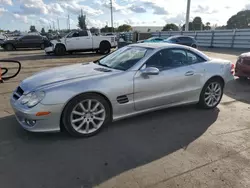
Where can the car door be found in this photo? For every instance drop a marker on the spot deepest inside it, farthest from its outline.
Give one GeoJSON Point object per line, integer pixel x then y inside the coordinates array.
{"type": "Point", "coordinates": [85, 41]}
{"type": "Point", "coordinates": [23, 42]}
{"type": "Point", "coordinates": [198, 65]}
{"type": "Point", "coordinates": [173, 85]}
{"type": "Point", "coordinates": [71, 40]}
{"type": "Point", "coordinates": [37, 41]}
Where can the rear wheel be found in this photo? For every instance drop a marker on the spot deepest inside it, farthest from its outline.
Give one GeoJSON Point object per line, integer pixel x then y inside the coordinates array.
{"type": "Point", "coordinates": [9, 47]}
{"type": "Point", "coordinates": [60, 50]}
{"type": "Point", "coordinates": [42, 46]}
{"type": "Point", "coordinates": [211, 94]}
{"type": "Point", "coordinates": [194, 46]}
{"type": "Point", "coordinates": [105, 47]}
{"type": "Point", "coordinates": [86, 115]}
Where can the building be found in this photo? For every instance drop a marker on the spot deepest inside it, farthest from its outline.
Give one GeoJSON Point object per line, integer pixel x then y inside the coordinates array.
{"type": "Point", "coordinates": [145, 29]}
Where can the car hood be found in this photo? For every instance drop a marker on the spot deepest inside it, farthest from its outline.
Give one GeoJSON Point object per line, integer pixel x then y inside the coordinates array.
{"type": "Point", "coordinates": [64, 74]}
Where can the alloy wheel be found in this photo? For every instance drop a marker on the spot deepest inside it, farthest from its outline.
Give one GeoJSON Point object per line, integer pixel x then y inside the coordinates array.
{"type": "Point", "coordinates": [213, 94]}
{"type": "Point", "coordinates": [88, 116]}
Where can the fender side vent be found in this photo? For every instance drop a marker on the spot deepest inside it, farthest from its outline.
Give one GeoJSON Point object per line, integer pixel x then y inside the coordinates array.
{"type": "Point", "coordinates": [122, 99]}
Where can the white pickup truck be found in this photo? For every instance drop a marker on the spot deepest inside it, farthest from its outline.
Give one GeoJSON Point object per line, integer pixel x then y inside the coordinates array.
{"type": "Point", "coordinates": [81, 41]}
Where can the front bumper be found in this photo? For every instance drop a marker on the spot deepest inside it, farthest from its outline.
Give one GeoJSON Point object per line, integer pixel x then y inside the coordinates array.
{"type": "Point", "coordinates": [242, 70]}
{"type": "Point", "coordinates": [48, 123]}
{"type": "Point", "coordinates": [49, 49]}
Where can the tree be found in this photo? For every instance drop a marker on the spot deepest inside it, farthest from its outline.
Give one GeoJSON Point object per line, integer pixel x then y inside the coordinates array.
{"type": "Point", "coordinates": [221, 27]}
{"type": "Point", "coordinates": [240, 20]}
{"type": "Point", "coordinates": [43, 31]}
{"type": "Point", "coordinates": [94, 30]}
{"type": "Point", "coordinates": [50, 31]}
{"type": "Point", "coordinates": [207, 27]}
{"type": "Point", "coordinates": [107, 29]}
{"type": "Point", "coordinates": [197, 23]}
{"type": "Point", "coordinates": [82, 21]}
{"type": "Point", "coordinates": [124, 28]}
{"type": "Point", "coordinates": [32, 28]}
{"type": "Point", "coordinates": [170, 27]}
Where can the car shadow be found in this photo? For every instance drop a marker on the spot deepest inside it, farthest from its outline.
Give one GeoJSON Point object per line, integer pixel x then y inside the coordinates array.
{"type": "Point", "coordinates": [42, 56]}
{"type": "Point", "coordinates": [228, 51]}
{"type": "Point", "coordinates": [58, 160]}
{"type": "Point", "coordinates": [238, 90]}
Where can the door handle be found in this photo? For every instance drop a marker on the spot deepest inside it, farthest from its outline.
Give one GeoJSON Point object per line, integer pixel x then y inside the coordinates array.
{"type": "Point", "coordinates": [189, 73]}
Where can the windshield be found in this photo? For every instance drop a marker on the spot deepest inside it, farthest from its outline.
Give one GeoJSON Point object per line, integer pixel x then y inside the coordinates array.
{"type": "Point", "coordinates": [124, 58]}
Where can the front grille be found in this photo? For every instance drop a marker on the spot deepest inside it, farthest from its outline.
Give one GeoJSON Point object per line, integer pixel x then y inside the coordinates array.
{"type": "Point", "coordinates": [122, 99]}
{"type": "Point", "coordinates": [18, 93]}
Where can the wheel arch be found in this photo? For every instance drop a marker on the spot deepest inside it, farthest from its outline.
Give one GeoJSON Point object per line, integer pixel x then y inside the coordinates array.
{"type": "Point", "coordinates": [218, 78]}
{"type": "Point", "coordinates": [61, 44]}
{"type": "Point", "coordinates": [88, 92]}
{"type": "Point", "coordinates": [3, 45]}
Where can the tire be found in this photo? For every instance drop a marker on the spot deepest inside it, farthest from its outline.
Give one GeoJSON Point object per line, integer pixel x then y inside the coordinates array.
{"type": "Point", "coordinates": [9, 47]}
{"type": "Point", "coordinates": [42, 46]}
{"type": "Point", "coordinates": [60, 50]}
{"type": "Point", "coordinates": [242, 78]}
{"type": "Point", "coordinates": [105, 47]}
{"type": "Point", "coordinates": [79, 128]}
{"type": "Point", "coordinates": [193, 46]}
{"type": "Point", "coordinates": [204, 96]}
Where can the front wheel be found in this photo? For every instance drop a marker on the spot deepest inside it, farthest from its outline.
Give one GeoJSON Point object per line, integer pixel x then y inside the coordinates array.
{"type": "Point", "coordinates": [105, 47]}
{"type": "Point", "coordinates": [60, 50]}
{"type": "Point", "coordinates": [86, 115]}
{"type": "Point", "coordinates": [211, 94]}
{"type": "Point", "coordinates": [242, 78]}
{"type": "Point", "coordinates": [9, 47]}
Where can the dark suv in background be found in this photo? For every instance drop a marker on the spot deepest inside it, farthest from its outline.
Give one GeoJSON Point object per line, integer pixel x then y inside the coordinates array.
{"type": "Point", "coordinates": [183, 40]}
{"type": "Point", "coordinates": [27, 41]}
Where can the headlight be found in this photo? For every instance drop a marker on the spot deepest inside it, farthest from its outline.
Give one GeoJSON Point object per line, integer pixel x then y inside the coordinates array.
{"type": "Point", "coordinates": [32, 99]}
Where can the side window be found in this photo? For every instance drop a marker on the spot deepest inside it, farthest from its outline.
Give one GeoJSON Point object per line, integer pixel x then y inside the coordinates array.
{"type": "Point", "coordinates": [168, 59]}
{"type": "Point", "coordinates": [74, 34]}
{"type": "Point", "coordinates": [155, 61]}
{"type": "Point", "coordinates": [34, 38]}
{"type": "Point", "coordinates": [83, 33]}
{"type": "Point", "coordinates": [177, 58]}
{"type": "Point", "coordinates": [193, 58]}
{"type": "Point", "coordinates": [26, 38]}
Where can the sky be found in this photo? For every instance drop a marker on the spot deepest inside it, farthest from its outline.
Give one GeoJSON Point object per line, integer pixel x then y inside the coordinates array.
{"type": "Point", "coordinates": [20, 14]}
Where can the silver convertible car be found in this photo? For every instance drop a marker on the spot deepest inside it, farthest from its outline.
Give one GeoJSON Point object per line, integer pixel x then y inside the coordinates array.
{"type": "Point", "coordinates": [138, 78]}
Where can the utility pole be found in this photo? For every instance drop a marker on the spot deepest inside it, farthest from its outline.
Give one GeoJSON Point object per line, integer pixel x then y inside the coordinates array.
{"type": "Point", "coordinates": [69, 22]}
{"type": "Point", "coordinates": [54, 26]}
{"type": "Point", "coordinates": [111, 9]}
{"type": "Point", "coordinates": [187, 15]}
{"type": "Point", "coordinates": [58, 24]}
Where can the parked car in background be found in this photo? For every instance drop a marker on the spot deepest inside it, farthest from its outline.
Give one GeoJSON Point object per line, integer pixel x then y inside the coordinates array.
{"type": "Point", "coordinates": [3, 37]}
{"type": "Point", "coordinates": [242, 67]}
{"type": "Point", "coordinates": [183, 40]}
{"type": "Point", "coordinates": [135, 79]}
{"type": "Point", "coordinates": [27, 41]}
{"type": "Point", "coordinates": [80, 41]}
{"type": "Point", "coordinates": [152, 39]}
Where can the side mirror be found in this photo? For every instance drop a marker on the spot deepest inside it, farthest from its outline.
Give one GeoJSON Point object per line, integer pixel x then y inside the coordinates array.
{"type": "Point", "coordinates": [150, 71]}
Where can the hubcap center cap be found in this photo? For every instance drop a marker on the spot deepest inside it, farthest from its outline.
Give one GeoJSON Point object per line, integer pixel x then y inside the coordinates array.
{"type": "Point", "coordinates": [88, 115]}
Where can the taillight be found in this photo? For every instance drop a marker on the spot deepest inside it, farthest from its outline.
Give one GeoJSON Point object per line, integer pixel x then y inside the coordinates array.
{"type": "Point", "coordinates": [232, 68]}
